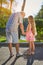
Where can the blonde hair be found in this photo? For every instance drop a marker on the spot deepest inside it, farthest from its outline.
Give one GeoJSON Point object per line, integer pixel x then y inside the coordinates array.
{"type": "Point", "coordinates": [33, 25]}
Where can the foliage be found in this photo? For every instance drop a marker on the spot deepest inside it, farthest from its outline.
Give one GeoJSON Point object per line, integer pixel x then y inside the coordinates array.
{"type": "Point", "coordinates": [40, 14]}
{"type": "Point", "coordinates": [4, 15]}
{"type": "Point", "coordinates": [39, 24]}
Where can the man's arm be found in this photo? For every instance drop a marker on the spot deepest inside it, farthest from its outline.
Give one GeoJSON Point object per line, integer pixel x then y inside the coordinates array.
{"type": "Point", "coordinates": [22, 28]}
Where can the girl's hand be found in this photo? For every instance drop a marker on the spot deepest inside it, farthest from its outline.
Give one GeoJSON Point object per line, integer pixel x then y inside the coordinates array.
{"type": "Point", "coordinates": [24, 33]}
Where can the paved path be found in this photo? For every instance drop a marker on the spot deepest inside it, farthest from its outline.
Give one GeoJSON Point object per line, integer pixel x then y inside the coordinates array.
{"type": "Point", "coordinates": [36, 59]}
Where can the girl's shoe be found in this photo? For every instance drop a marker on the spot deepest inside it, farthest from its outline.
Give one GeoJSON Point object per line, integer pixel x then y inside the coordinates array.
{"type": "Point", "coordinates": [32, 52]}
{"type": "Point", "coordinates": [27, 52]}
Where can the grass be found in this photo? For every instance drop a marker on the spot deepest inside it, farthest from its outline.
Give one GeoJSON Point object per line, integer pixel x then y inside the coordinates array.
{"type": "Point", "coordinates": [3, 39]}
{"type": "Point", "coordinates": [22, 41]}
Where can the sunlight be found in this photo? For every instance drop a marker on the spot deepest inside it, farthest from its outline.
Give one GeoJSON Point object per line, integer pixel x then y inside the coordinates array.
{"type": "Point", "coordinates": [31, 7]}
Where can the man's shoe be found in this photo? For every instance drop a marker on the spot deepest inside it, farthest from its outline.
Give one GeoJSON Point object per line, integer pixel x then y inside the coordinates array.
{"type": "Point", "coordinates": [19, 54]}
{"type": "Point", "coordinates": [11, 55]}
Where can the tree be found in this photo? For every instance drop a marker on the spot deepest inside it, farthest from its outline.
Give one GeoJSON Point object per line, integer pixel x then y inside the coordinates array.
{"type": "Point", "coordinates": [11, 1]}
{"type": "Point", "coordinates": [39, 24]}
{"type": "Point", "coordinates": [3, 2]}
{"type": "Point", "coordinates": [40, 13]}
{"type": "Point", "coordinates": [23, 6]}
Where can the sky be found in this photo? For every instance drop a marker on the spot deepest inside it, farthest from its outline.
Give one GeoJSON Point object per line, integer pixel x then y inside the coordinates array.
{"type": "Point", "coordinates": [32, 7]}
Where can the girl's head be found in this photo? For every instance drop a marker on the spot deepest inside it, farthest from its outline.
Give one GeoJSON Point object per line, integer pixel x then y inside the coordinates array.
{"type": "Point", "coordinates": [30, 19]}
{"type": "Point", "coordinates": [32, 22]}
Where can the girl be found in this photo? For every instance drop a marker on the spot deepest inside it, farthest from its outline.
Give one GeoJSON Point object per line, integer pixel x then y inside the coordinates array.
{"type": "Point", "coordinates": [30, 34]}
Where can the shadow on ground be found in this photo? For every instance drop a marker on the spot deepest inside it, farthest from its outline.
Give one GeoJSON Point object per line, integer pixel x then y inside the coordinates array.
{"type": "Point", "coordinates": [37, 56]}
{"type": "Point", "coordinates": [30, 59]}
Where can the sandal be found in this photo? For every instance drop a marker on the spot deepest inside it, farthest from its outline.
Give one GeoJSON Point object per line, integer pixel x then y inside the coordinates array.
{"type": "Point", "coordinates": [32, 52]}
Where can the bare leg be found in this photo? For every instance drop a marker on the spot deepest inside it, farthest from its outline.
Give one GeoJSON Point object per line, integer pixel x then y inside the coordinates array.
{"type": "Point", "coordinates": [10, 48]}
{"type": "Point", "coordinates": [30, 47]}
{"type": "Point", "coordinates": [17, 48]}
{"type": "Point", "coordinates": [33, 47]}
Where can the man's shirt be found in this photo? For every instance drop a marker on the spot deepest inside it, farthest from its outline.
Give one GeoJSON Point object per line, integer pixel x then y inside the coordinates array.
{"type": "Point", "coordinates": [13, 22]}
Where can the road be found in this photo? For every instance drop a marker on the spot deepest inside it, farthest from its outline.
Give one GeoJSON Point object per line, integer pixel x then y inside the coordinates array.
{"type": "Point", "coordinates": [36, 59]}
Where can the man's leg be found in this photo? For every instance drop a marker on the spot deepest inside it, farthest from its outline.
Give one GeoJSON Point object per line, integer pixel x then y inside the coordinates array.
{"type": "Point", "coordinates": [9, 41]}
{"type": "Point", "coordinates": [17, 47]}
{"type": "Point", "coordinates": [17, 51]}
{"type": "Point", "coordinates": [10, 49]}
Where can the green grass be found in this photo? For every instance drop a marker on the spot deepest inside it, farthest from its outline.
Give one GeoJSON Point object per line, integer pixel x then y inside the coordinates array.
{"type": "Point", "coordinates": [20, 41]}
{"type": "Point", "coordinates": [3, 39]}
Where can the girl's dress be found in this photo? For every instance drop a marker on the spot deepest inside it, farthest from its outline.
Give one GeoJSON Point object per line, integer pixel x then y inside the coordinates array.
{"type": "Point", "coordinates": [30, 36]}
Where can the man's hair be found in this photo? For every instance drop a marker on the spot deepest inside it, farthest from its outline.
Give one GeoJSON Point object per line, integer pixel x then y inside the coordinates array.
{"type": "Point", "coordinates": [23, 13]}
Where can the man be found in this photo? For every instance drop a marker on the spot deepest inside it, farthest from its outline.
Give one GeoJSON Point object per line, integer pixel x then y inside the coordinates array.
{"type": "Point", "coordinates": [14, 21]}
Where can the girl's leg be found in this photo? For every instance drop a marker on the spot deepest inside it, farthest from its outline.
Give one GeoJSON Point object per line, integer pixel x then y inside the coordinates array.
{"type": "Point", "coordinates": [30, 48]}
{"type": "Point", "coordinates": [33, 47]}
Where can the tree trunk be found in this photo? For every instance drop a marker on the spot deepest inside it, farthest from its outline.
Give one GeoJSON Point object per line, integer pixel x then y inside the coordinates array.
{"type": "Point", "coordinates": [1, 7]}
{"type": "Point", "coordinates": [23, 6]}
{"type": "Point", "coordinates": [10, 5]}
{"type": "Point", "coordinates": [1, 3]}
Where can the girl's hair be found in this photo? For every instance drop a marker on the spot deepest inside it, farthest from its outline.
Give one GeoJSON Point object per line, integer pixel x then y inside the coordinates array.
{"type": "Point", "coordinates": [33, 25]}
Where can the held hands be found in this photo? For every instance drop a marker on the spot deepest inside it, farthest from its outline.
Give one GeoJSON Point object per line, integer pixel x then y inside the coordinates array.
{"type": "Point", "coordinates": [24, 33]}
{"type": "Point", "coordinates": [22, 29]}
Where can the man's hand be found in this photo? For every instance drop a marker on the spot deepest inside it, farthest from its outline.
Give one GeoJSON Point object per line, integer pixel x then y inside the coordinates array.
{"type": "Point", "coordinates": [22, 29]}
{"type": "Point", "coordinates": [24, 33]}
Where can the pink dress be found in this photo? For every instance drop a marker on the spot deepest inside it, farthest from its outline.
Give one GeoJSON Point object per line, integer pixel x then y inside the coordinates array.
{"type": "Point", "coordinates": [30, 36]}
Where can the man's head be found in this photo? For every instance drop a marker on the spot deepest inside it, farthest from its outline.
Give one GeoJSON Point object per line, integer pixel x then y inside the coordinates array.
{"type": "Point", "coordinates": [22, 14]}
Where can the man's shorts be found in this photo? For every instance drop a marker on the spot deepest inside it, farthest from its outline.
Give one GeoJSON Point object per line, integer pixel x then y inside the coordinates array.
{"type": "Point", "coordinates": [12, 37]}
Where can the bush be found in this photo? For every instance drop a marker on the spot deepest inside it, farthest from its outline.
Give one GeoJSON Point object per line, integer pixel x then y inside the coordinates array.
{"type": "Point", "coordinates": [39, 25]}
